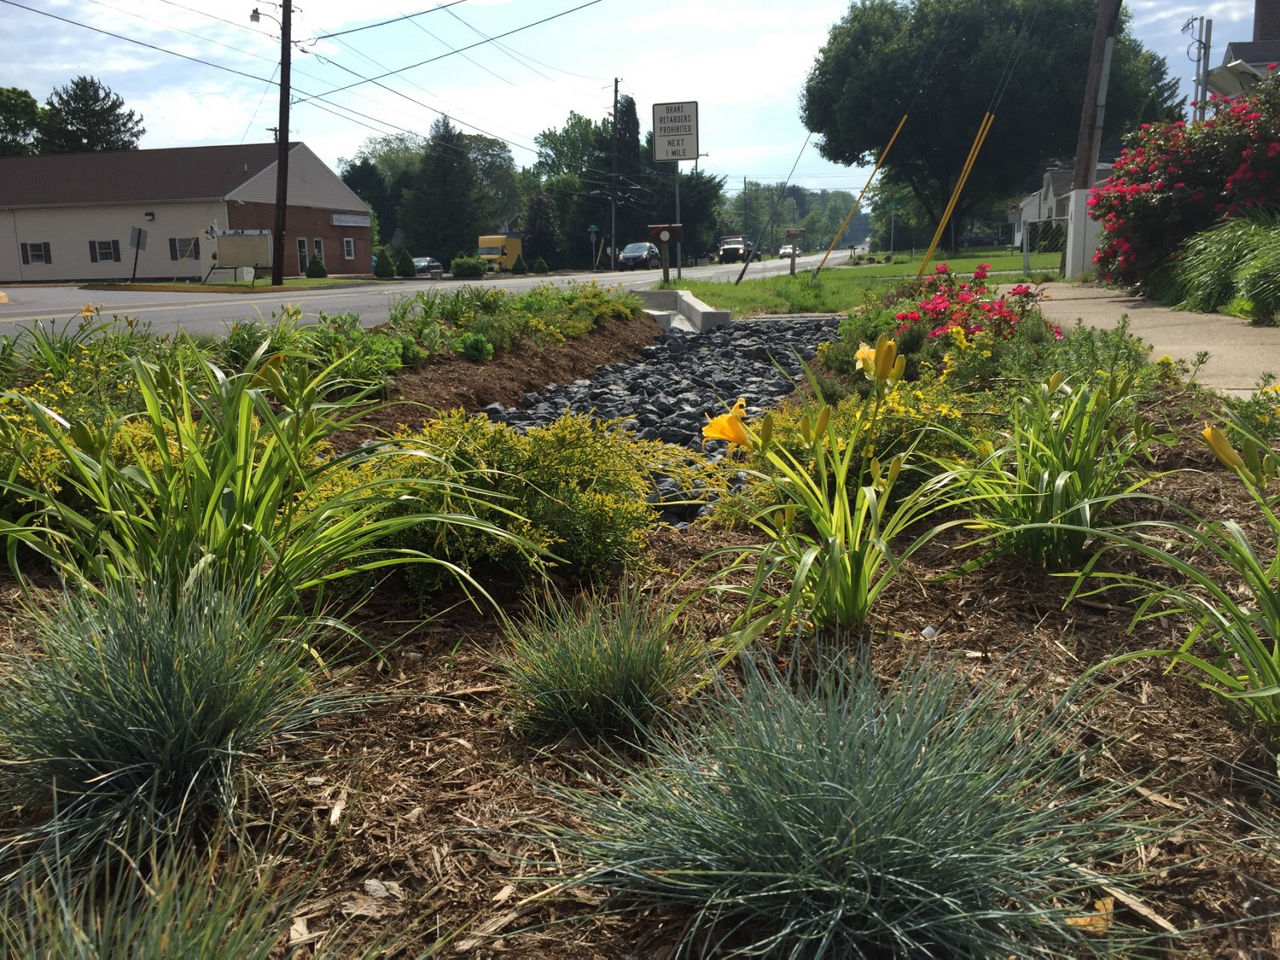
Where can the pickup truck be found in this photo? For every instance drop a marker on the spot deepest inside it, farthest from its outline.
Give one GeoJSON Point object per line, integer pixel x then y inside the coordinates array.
{"type": "Point", "coordinates": [734, 249]}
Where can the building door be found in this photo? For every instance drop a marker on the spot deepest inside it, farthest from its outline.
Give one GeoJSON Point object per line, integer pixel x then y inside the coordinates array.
{"type": "Point", "coordinates": [302, 255]}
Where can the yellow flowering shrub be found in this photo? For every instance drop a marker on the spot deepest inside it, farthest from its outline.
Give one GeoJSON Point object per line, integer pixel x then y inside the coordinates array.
{"type": "Point", "coordinates": [577, 487]}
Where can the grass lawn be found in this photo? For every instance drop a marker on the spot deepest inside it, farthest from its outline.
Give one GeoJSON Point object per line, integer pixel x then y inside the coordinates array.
{"type": "Point", "coordinates": [839, 286]}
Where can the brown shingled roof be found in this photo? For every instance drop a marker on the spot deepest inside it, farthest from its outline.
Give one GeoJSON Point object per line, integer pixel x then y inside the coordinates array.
{"type": "Point", "coordinates": [131, 176]}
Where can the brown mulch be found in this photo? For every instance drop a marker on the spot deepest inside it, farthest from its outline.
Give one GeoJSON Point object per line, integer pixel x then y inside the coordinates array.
{"type": "Point", "coordinates": [433, 802]}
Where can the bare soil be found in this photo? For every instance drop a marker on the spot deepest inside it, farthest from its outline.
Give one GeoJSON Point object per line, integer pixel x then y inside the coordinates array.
{"type": "Point", "coordinates": [430, 797]}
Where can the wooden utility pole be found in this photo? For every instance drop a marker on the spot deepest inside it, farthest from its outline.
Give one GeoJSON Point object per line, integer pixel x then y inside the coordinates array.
{"type": "Point", "coordinates": [1089, 140]}
{"type": "Point", "coordinates": [282, 151]}
{"type": "Point", "coordinates": [613, 186]}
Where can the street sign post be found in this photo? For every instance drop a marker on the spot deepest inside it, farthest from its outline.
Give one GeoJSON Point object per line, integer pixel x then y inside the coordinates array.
{"type": "Point", "coordinates": [675, 138]}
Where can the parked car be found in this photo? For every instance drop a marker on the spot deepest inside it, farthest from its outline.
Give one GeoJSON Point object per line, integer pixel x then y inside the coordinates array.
{"type": "Point", "coordinates": [426, 264]}
{"type": "Point", "coordinates": [787, 250]}
{"type": "Point", "coordinates": [638, 255]}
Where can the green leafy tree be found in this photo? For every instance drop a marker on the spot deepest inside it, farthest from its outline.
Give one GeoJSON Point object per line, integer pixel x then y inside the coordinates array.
{"type": "Point", "coordinates": [1023, 59]}
{"type": "Point", "coordinates": [85, 116]}
{"type": "Point", "coordinates": [19, 120]}
{"type": "Point", "coordinates": [395, 158]}
{"type": "Point", "coordinates": [497, 191]}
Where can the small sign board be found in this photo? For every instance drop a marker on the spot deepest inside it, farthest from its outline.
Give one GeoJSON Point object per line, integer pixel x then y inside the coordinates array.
{"type": "Point", "coordinates": [675, 131]}
{"type": "Point", "coordinates": [137, 238]}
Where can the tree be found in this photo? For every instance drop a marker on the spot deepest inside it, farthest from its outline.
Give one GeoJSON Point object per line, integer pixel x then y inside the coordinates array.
{"type": "Point", "coordinates": [395, 158]}
{"type": "Point", "coordinates": [953, 60]}
{"type": "Point", "coordinates": [19, 119]}
{"type": "Point", "coordinates": [542, 236]}
{"type": "Point", "coordinates": [439, 214]}
{"type": "Point", "coordinates": [365, 180]}
{"type": "Point", "coordinates": [86, 117]}
{"type": "Point", "coordinates": [497, 192]}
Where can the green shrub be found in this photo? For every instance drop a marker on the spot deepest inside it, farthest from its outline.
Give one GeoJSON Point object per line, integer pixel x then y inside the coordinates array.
{"type": "Point", "coordinates": [540, 266]}
{"type": "Point", "coordinates": [142, 701]}
{"type": "Point", "coordinates": [599, 666]}
{"type": "Point", "coordinates": [932, 818]}
{"type": "Point", "coordinates": [316, 268]}
{"type": "Point", "coordinates": [520, 268]}
{"type": "Point", "coordinates": [475, 347]}
{"type": "Point", "coordinates": [468, 266]}
{"type": "Point", "coordinates": [404, 265]}
{"type": "Point", "coordinates": [383, 268]}
{"type": "Point", "coordinates": [577, 488]}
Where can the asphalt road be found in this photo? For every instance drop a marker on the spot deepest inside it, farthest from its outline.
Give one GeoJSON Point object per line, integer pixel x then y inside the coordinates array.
{"type": "Point", "coordinates": [202, 312]}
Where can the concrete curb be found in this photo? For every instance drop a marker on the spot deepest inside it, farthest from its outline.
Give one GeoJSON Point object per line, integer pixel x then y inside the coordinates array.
{"type": "Point", "coordinates": [679, 309]}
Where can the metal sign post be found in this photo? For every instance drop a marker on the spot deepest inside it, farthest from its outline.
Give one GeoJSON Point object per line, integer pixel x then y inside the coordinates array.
{"type": "Point", "coordinates": [675, 138]}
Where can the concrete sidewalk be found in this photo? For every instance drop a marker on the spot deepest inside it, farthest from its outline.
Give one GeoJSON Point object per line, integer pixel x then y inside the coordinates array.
{"type": "Point", "coordinates": [1239, 354]}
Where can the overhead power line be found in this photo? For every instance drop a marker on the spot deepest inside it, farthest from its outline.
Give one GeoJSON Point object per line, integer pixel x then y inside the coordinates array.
{"type": "Point", "coordinates": [383, 23]}
{"type": "Point", "coordinates": [423, 63]}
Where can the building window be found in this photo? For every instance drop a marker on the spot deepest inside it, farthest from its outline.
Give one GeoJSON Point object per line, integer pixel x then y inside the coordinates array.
{"type": "Point", "coordinates": [104, 251]}
{"type": "Point", "coordinates": [184, 248]}
{"type": "Point", "coordinates": [302, 254]}
{"type": "Point", "coordinates": [348, 248]}
{"type": "Point", "coordinates": [36, 253]}
{"type": "Point", "coordinates": [318, 249]}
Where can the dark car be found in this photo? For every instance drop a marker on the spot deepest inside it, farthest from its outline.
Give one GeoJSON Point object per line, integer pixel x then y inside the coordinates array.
{"type": "Point", "coordinates": [426, 264]}
{"type": "Point", "coordinates": [635, 256]}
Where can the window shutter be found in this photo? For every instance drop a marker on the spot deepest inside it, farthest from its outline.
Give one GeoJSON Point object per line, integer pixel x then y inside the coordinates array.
{"type": "Point", "coordinates": [48, 254]}
{"type": "Point", "coordinates": [115, 250]}
{"type": "Point", "coordinates": [26, 257]}
{"type": "Point", "coordinates": [93, 251]}
{"type": "Point", "coordinates": [195, 248]}
{"type": "Point", "coordinates": [173, 248]}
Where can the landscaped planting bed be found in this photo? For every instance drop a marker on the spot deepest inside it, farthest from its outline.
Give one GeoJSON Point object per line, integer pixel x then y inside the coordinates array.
{"type": "Point", "coordinates": [973, 655]}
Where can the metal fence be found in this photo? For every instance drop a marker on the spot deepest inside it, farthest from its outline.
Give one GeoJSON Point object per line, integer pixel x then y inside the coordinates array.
{"type": "Point", "coordinates": [1043, 236]}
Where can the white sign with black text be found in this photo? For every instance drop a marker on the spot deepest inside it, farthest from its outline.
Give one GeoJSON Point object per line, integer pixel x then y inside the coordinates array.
{"type": "Point", "coordinates": [675, 131]}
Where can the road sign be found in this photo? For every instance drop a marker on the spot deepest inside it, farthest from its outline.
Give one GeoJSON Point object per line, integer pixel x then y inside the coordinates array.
{"type": "Point", "coordinates": [675, 131]}
{"type": "Point", "coordinates": [137, 238]}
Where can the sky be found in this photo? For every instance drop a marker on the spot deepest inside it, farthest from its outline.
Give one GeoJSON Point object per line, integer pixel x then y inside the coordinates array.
{"type": "Point", "coordinates": [506, 68]}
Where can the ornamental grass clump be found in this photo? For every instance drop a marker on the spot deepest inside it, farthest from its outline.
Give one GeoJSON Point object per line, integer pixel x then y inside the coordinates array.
{"type": "Point", "coordinates": [934, 817]}
{"type": "Point", "coordinates": [596, 665]}
{"type": "Point", "coordinates": [233, 472]}
{"type": "Point", "coordinates": [1068, 459]}
{"type": "Point", "coordinates": [133, 716]}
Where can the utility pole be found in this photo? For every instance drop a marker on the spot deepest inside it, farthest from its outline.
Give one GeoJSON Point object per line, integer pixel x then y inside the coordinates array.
{"type": "Point", "coordinates": [613, 186]}
{"type": "Point", "coordinates": [1089, 140]}
{"type": "Point", "coordinates": [282, 151]}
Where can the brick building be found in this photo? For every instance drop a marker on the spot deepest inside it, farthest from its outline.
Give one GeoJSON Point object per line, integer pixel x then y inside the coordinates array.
{"type": "Point", "coordinates": [79, 216]}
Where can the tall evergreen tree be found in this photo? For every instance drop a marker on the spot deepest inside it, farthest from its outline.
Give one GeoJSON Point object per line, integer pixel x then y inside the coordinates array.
{"type": "Point", "coordinates": [85, 116]}
{"type": "Point", "coordinates": [542, 235]}
{"type": "Point", "coordinates": [439, 214]}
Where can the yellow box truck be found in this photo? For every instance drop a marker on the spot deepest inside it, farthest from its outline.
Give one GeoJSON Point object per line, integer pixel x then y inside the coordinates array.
{"type": "Point", "coordinates": [500, 250]}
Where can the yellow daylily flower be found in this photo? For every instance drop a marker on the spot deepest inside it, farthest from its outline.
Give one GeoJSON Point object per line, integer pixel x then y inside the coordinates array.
{"type": "Point", "coordinates": [866, 357]}
{"type": "Point", "coordinates": [1222, 448]}
{"type": "Point", "coordinates": [886, 355]}
{"type": "Point", "coordinates": [728, 426]}
{"type": "Point", "coordinates": [87, 311]}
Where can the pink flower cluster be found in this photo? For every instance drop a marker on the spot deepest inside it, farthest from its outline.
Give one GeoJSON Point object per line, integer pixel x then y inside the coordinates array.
{"type": "Point", "coordinates": [1174, 180]}
{"type": "Point", "coordinates": [949, 302]}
